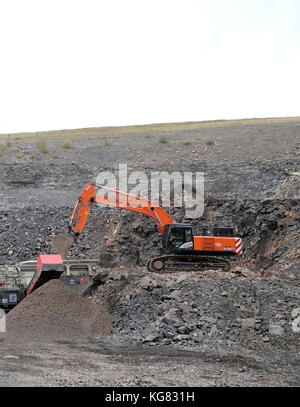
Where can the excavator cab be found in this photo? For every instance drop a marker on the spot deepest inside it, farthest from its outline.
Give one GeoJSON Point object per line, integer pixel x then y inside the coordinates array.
{"type": "Point", "coordinates": [178, 236]}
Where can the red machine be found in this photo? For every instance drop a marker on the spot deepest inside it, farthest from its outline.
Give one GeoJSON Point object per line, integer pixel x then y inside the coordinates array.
{"type": "Point", "coordinates": [14, 284]}
{"type": "Point", "coordinates": [48, 267]}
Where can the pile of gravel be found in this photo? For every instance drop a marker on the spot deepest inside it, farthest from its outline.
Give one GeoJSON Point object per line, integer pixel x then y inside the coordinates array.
{"type": "Point", "coordinates": [54, 311]}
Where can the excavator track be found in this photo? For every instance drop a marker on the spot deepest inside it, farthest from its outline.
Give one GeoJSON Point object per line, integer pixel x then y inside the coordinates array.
{"type": "Point", "coordinates": [171, 263]}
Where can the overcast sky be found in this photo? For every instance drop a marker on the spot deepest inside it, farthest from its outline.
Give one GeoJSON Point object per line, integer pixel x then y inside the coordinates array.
{"type": "Point", "coordinates": [89, 63]}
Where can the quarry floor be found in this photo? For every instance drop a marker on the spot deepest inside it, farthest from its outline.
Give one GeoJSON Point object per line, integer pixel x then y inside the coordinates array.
{"type": "Point", "coordinates": [250, 171]}
{"type": "Point", "coordinates": [99, 363]}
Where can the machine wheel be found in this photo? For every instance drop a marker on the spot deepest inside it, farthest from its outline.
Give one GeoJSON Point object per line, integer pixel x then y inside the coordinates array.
{"type": "Point", "coordinates": [156, 264]}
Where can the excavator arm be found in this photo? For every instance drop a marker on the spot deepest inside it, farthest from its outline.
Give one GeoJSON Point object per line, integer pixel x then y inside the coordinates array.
{"type": "Point", "coordinates": [205, 251]}
{"type": "Point", "coordinates": [115, 199]}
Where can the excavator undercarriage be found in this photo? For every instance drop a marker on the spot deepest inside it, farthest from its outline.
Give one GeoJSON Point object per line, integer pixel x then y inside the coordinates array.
{"type": "Point", "coordinates": [172, 262]}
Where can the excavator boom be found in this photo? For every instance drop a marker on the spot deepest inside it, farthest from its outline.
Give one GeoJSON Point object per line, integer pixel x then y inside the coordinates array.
{"type": "Point", "coordinates": [117, 199]}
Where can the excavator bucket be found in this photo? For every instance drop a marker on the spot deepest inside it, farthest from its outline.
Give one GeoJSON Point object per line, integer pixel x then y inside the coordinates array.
{"type": "Point", "coordinates": [61, 244]}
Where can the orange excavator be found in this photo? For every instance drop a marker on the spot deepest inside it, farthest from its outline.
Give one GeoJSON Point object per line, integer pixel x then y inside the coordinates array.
{"type": "Point", "coordinates": [181, 248]}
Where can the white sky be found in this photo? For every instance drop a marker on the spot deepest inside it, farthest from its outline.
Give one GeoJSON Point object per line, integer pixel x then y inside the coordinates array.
{"type": "Point", "coordinates": [89, 63]}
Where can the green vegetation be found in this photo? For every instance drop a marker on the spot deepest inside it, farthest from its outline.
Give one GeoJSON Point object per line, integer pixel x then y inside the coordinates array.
{"type": "Point", "coordinates": [106, 143]}
{"type": "Point", "coordinates": [55, 156]}
{"type": "Point", "coordinates": [19, 155]}
{"type": "Point", "coordinates": [186, 143]}
{"type": "Point", "coordinates": [66, 144]}
{"type": "Point", "coordinates": [2, 148]}
{"type": "Point", "coordinates": [260, 129]}
{"type": "Point", "coordinates": [210, 143]}
{"type": "Point", "coordinates": [143, 130]}
{"type": "Point", "coordinates": [160, 127]}
{"type": "Point", "coordinates": [163, 140]}
{"type": "Point", "coordinates": [42, 146]}
{"type": "Point", "coordinates": [8, 143]}
{"type": "Point", "coordinates": [148, 136]}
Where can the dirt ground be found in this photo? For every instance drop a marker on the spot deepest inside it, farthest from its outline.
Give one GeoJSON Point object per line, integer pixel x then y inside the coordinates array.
{"type": "Point", "coordinates": [101, 363]}
{"type": "Point", "coordinates": [180, 330]}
